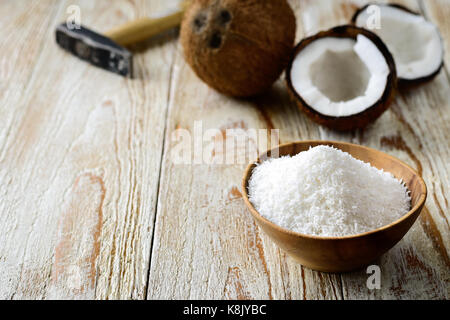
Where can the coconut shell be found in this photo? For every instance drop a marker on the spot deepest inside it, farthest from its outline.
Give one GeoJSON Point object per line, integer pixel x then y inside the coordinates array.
{"type": "Point", "coordinates": [359, 120]}
{"type": "Point", "coordinates": [238, 47]}
{"type": "Point", "coordinates": [402, 83]}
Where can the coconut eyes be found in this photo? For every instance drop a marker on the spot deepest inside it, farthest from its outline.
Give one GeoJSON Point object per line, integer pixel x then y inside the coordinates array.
{"type": "Point", "coordinates": [199, 22]}
{"type": "Point", "coordinates": [224, 17]}
{"type": "Point", "coordinates": [216, 40]}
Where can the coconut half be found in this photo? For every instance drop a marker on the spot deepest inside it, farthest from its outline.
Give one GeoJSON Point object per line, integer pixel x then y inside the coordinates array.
{"type": "Point", "coordinates": [414, 42]}
{"type": "Point", "coordinates": [343, 78]}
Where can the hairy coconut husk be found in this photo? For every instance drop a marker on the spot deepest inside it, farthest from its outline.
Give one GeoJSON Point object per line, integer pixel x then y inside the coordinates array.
{"type": "Point", "coordinates": [238, 47]}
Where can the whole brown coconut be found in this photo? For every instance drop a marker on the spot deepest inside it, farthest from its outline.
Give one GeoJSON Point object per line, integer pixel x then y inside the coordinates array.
{"type": "Point", "coordinates": [238, 47]}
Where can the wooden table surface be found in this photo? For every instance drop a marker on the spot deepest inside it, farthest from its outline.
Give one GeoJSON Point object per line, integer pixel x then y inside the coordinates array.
{"type": "Point", "coordinates": [92, 206]}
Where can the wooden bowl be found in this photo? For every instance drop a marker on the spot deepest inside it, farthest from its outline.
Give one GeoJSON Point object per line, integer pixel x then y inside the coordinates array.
{"type": "Point", "coordinates": [341, 254]}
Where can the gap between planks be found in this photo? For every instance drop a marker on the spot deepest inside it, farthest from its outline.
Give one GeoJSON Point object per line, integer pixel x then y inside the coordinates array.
{"type": "Point", "coordinates": [169, 94]}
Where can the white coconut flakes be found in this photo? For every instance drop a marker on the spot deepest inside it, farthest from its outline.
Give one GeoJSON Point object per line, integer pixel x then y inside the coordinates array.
{"type": "Point", "coordinates": [326, 192]}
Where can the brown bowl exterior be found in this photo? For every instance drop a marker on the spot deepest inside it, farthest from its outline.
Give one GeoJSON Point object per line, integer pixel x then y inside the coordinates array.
{"type": "Point", "coordinates": [341, 254]}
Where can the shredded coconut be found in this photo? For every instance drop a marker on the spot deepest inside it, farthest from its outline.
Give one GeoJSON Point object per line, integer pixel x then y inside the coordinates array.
{"type": "Point", "coordinates": [326, 192]}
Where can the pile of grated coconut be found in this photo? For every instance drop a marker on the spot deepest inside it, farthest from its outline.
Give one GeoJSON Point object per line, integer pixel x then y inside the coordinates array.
{"type": "Point", "coordinates": [326, 192]}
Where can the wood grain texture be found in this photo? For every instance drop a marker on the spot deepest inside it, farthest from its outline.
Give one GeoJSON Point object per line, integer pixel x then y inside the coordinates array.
{"type": "Point", "coordinates": [402, 133]}
{"type": "Point", "coordinates": [94, 206]}
{"type": "Point", "coordinates": [275, 111]}
{"type": "Point", "coordinates": [80, 166]}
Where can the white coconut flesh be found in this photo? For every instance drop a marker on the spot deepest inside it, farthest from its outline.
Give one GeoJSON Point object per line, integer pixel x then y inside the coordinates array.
{"type": "Point", "coordinates": [340, 76]}
{"type": "Point", "coordinates": [414, 42]}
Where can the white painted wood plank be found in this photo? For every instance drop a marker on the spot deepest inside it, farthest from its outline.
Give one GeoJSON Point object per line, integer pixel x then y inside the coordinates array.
{"type": "Point", "coordinates": [187, 260]}
{"type": "Point", "coordinates": [80, 170]}
{"type": "Point", "coordinates": [80, 154]}
{"type": "Point", "coordinates": [415, 130]}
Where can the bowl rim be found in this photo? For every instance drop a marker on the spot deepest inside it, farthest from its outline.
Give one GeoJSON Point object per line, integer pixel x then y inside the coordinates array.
{"type": "Point", "coordinates": [258, 216]}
